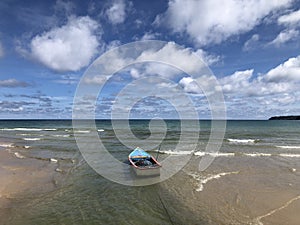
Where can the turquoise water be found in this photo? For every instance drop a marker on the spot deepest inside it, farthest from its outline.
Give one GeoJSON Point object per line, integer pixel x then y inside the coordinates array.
{"type": "Point", "coordinates": [85, 197]}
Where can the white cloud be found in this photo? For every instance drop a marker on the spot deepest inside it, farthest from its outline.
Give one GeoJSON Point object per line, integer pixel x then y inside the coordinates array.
{"type": "Point", "coordinates": [189, 85]}
{"type": "Point", "coordinates": [149, 36]}
{"type": "Point", "coordinates": [290, 19]}
{"type": "Point", "coordinates": [134, 73]}
{"type": "Point", "coordinates": [13, 83]}
{"type": "Point", "coordinates": [67, 48]}
{"type": "Point", "coordinates": [209, 21]}
{"type": "Point", "coordinates": [275, 92]}
{"type": "Point", "coordinates": [274, 89]}
{"type": "Point", "coordinates": [117, 13]}
{"type": "Point", "coordinates": [287, 71]}
{"type": "Point", "coordinates": [251, 43]}
{"type": "Point", "coordinates": [176, 57]}
{"type": "Point", "coordinates": [207, 58]}
{"type": "Point", "coordinates": [238, 81]}
{"type": "Point", "coordinates": [285, 36]}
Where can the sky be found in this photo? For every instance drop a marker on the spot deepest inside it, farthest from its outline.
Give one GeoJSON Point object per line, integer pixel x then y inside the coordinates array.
{"type": "Point", "coordinates": [250, 46]}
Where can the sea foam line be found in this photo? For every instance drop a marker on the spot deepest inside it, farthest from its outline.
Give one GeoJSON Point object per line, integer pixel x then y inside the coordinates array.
{"type": "Point", "coordinates": [257, 154]}
{"type": "Point", "coordinates": [258, 219]}
{"type": "Point", "coordinates": [19, 156]}
{"type": "Point", "coordinates": [170, 152]}
{"type": "Point", "coordinates": [244, 141]}
{"type": "Point", "coordinates": [289, 155]}
{"type": "Point", "coordinates": [31, 139]}
{"type": "Point", "coordinates": [288, 147]}
{"type": "Point", "coordinates": [82, 131]}
{"type": "Point", "coordinates": [6, 145]}
{"type": "Point", "coordinates": [215, 154]}
{"type": "Point", "coordinates": [203, 180]}
{"type": "Point", "coordinates": [28, 129]}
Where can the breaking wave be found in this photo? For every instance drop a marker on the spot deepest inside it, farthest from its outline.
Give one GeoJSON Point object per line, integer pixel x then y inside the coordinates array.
{"type": "Point", "coordinates": [202, 180]}
{"type": "Point", "coordinates": [243, 141]}
{"type": "Point", "coordinates": [31, 139]}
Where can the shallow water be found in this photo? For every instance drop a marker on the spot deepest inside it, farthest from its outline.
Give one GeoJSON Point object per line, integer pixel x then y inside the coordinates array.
{"type": "Point", "coordinates": [254, 178]}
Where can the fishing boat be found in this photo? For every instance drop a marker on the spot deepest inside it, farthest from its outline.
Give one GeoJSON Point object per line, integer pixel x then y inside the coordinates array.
{"type": "Point", "coordinates": [143, 163]}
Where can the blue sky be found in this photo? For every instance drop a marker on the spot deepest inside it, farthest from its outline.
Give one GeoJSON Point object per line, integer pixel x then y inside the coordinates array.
{"type": "Point", "coordinates": [252, 48]}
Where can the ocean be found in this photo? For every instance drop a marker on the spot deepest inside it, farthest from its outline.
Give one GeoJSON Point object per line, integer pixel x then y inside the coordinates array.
{"type": "Point", "coordinates": [253, 179]}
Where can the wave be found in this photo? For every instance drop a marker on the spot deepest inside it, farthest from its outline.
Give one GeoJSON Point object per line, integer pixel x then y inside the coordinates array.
{"type": "Point", "coordinates": [53, 160]}
{"type": "Point", "coordinates": [27, 146]}
{"type": "Point", "coordinates": [202, 180]}
{"type": "Point", "coordinates": [6, 145]}
{"type": "Point", "coordinates": [243, 141]}
{"type": "Point", "coordinates": [100, 130]}
{"type": "Point", "coordinates": [288, 147]}
{"type": "Point", "coordinates": [61, 135]}
{"type": "Point", "coordinates": [257, 154]}
{"type": "Point", "coordinates": [82, 131]}
{"type": "Point", "coordinates": [290, 155]}
{"type": "Point", "coordinates": [215, 154]}
{"type": "Point", "coordinates": [31, 139]}
{"type": "Point", "coordinates": [19, 156]}
{"type": "Point", "coordinates": [170, 152]}
{"type": "Point", "coordinates": [28, 129]}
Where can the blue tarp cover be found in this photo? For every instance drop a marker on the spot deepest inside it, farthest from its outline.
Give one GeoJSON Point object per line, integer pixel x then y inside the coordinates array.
{"type": "Point", "coordinates": [139, 153]}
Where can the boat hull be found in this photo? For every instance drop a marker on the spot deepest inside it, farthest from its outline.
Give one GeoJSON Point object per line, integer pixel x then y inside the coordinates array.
{"type": "Point", "coordinates": [147, 172]}
{"type": "Point", "coordinates": [143, 164]}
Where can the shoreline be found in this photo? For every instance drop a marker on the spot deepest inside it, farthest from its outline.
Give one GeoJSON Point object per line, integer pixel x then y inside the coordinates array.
{"type": "Point", "coordinates": [22, 177]}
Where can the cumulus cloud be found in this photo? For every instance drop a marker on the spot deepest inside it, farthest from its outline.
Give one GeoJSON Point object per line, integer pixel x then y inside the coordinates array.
{"type": "Point", "coordinates": [285, 36]}
{"type": "Point", "coordinates": [165, 60]}
{"type": "Point", "coordinates": [67, 48]}
{"type": "Point", "coordinates": [290, 19]}
{"type": "Point", "coordinates": [13, 83]}
{"type": "Point", "coordinates": [177, 57]}
{"type": "Point", "coordinates": [116, 13]}
{"type": "Point", "coordinates": [287, 71]}
{"type": "Point", "coordinates": [189, 85]}
{"type": "Point", "coordinates": [282, 81]}
{"type": "Point", "coordinates": [208, 22]}
{"type": "Point", "coordinates": [262, 95]}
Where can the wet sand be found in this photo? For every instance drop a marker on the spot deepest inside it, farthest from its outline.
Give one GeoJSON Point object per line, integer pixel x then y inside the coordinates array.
{"type": "Point", "coordinates": [250, 191]}
{"type": "Point", "coordinates": [21, 177]}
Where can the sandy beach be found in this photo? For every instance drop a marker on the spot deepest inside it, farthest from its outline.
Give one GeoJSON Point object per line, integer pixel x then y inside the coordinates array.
{"type": "Point", "coordinates": [22, 177]}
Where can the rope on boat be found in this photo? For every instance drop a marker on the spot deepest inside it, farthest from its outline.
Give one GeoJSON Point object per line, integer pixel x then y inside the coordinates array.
{"type": "Point", "coordinates": [165, 208]}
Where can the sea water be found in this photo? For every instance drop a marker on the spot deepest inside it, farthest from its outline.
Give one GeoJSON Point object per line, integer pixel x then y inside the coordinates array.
{"type": "Point", "coordinates": [255, 171]}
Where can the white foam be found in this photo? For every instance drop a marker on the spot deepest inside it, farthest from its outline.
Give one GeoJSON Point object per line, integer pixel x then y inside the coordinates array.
{"type": "Point", "coordinates": [18, 155]}
{"type": "Point", "coordinates": [256, 154]}
{"type": "Point", "coordinates": [61, 135]}
{"type": "Point", "coordinates": [215, 154]}
{"type": "Point", "coordinates": [82, 131]}
{"type": "Point", "coordinates": [100, 130]}
{"type": "Point", "coordinates": [27, 129]}
{"type": "Point", "coordinates": [27, 146]}
{"type": "Point", "coordinates": [288, 147]}
{"type": "Point", "coordinates": [31, 139]}
{"type": "Point", "coordinates": [53, 160]}
{"type": "Point", "coordinates": [243, 141]}
{"type": "Point", "coordinates": [204, 179]}
{"type": "Point", "coordinates": [6, 145]}
{"type": "Point", "coordinates": [170, 152]}
{"type": "Point", "coordinates": [290, 155]}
